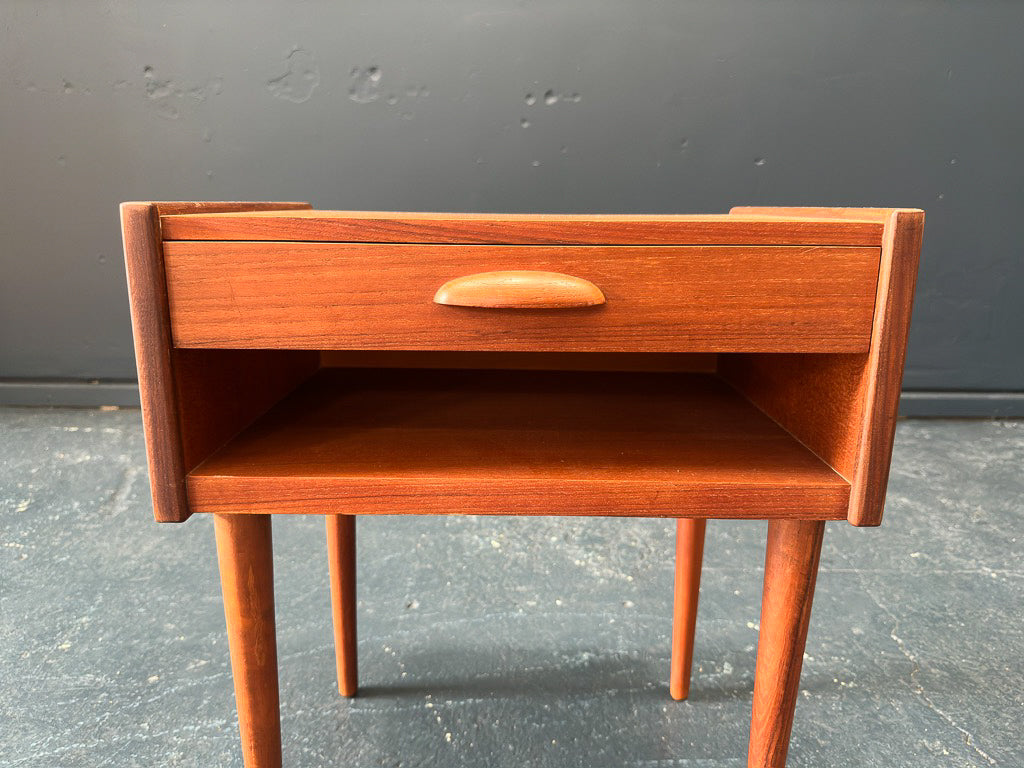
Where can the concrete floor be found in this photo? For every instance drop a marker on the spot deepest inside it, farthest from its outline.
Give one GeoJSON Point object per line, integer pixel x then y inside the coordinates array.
{"type": "Point", "coordinates": [505, 642]}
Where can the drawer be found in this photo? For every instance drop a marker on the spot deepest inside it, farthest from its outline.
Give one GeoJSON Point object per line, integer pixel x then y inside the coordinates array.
{"type": "Point", "coordinates": [267, 295]}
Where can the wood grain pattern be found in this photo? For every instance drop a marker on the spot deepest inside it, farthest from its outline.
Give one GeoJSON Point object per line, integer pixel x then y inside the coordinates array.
{"type": "Point", "coordinates": [797, 317]}
{"type": "Point", "coordinates": [221, 391]}
{"type": "Point", "coordinates": [801, 212]}
{"type": "Point", "coordinates": [494, 228]}
{"type": "Point", "coordinates": [660, 299]}
{"type": "Point", "coordinates": [341, 559]}
{"type": "Point", "coordinates": [151, 329]}
{"type": "Point", "coordinates": [519, 289]}
{"type": "Point", "coordinates": [689, 557]}
{"type": "Point", "coordinates": [901, 250]}
{"type": "Point", "coordinates": [244, 552]}
{"type": "Point", "coordinates": [481, 442]}
{"type": "Point", "coordinates": [177, 207]}
{"type": "Point", "coordinates": [818, 398]}
{"type": "Point", "coordinates": [844, 407]}
{"type": "Point", "coordinates": [791, 569]}
{"type": "Point", "coordinates": [191, 403]}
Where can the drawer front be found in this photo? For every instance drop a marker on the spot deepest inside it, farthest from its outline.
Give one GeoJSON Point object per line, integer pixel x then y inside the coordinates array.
{"type": "Point", "coordinates": [266, 295]}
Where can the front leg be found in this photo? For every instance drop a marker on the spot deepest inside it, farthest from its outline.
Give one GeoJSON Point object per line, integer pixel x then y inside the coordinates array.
{"type": "Point", "coordinates": [247, 580]}
{"type": "Point", "coordinates": [791, 567]}
{"type": "Point", "coordinates": [341, 561]}
{"type": "Point", "coordinates": [689, 557]}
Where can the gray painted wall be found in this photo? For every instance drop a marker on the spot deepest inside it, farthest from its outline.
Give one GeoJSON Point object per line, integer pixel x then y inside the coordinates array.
{"type": "Point", "coordinates": [654, 107]}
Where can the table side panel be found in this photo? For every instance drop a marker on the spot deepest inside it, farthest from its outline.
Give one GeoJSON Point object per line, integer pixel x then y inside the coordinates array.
{"type": "Point", "coordinates": [844, 407]}
{"type": "Point", "coordinates": [190, 410]}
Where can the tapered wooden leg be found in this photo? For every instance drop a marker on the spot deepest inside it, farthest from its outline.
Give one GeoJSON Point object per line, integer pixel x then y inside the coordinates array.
{"type": "Point", "coordinates": [791, 567]}
{"type": "Point", "coordinates": [341, 560]}
{"type": "Point", "coordinates": [247, 580]}
{"type": "Point", "coordinates": [689, 556]}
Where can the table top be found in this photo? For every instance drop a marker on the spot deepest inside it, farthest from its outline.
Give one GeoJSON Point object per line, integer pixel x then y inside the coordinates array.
{"type": "Point", "coordinates": [454, 228]}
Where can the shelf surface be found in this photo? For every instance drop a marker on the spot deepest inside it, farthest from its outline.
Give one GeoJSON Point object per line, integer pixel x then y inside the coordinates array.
{"type": "Point", "coordinates": [353, 441]}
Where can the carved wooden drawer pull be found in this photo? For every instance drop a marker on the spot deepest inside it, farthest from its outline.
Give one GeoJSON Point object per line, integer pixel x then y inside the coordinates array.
{"type": "Point", "coordinates": [519, 289]}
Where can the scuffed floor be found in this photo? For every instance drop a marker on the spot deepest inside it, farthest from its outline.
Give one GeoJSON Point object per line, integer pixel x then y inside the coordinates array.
{"type": "Point", "coordinates": [503, 642]}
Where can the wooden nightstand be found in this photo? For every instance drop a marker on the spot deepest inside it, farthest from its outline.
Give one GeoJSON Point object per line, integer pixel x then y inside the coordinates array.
{"type": "Point", "coordinates": [737, 366]}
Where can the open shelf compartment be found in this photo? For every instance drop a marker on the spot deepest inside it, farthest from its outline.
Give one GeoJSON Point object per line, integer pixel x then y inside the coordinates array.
{"type": "Point", "coordinates": [356, 441]}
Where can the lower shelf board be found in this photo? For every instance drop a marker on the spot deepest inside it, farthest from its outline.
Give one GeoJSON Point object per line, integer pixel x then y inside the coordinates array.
{"type": "Point", "coordinates": [352, 441]}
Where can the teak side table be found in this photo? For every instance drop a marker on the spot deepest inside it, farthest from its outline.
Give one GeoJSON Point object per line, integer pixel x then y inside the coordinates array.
{"type": "Point", "coordinates": [342, 363]}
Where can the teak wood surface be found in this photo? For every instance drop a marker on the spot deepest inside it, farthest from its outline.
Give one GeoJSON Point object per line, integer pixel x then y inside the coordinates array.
{"type": "Point", "coordinates": [844, 407]}
{"type": "Point", "coordinates": [244, 553]}
{"type": "Point", "coordinates": [341, 561]}
{"type": "Point", "coordinates": [791, 568]}
{"type": "Point", "coordinates": [519, 289]}
{"type": "Point", "coordinates": [689, 558]}
{"type": "Point", "coordinates": [658, 298]}
{"type": "Point", "coordinates": [522, 229]}
{"type": "Point", "coordinates": [503, 442]}
{"type": "Point", "coordinates": [745, 365]}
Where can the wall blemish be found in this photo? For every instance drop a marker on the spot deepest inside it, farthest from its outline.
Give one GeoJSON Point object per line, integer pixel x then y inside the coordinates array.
{"type": "Point", "coordinates": [157, 89]}
{"type": "Point", "coordinates": [365, 84]}
{"type": "Point", "coordinates": [168, 95]}
{"type": "Point", "coordinates": [551, 97]}
{"type": "Point", "coordinates": [300, 79]}
{"type": "Point", "coordinates": [368, 87]}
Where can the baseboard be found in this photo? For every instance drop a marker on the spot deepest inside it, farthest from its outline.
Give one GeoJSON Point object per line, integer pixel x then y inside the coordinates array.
{"type": "Point", "coordinates": [69, 394]}
{"type": "Point", "coordinates": [125, 394]}
{"type": "Point", "coordinates": [962, 405]}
